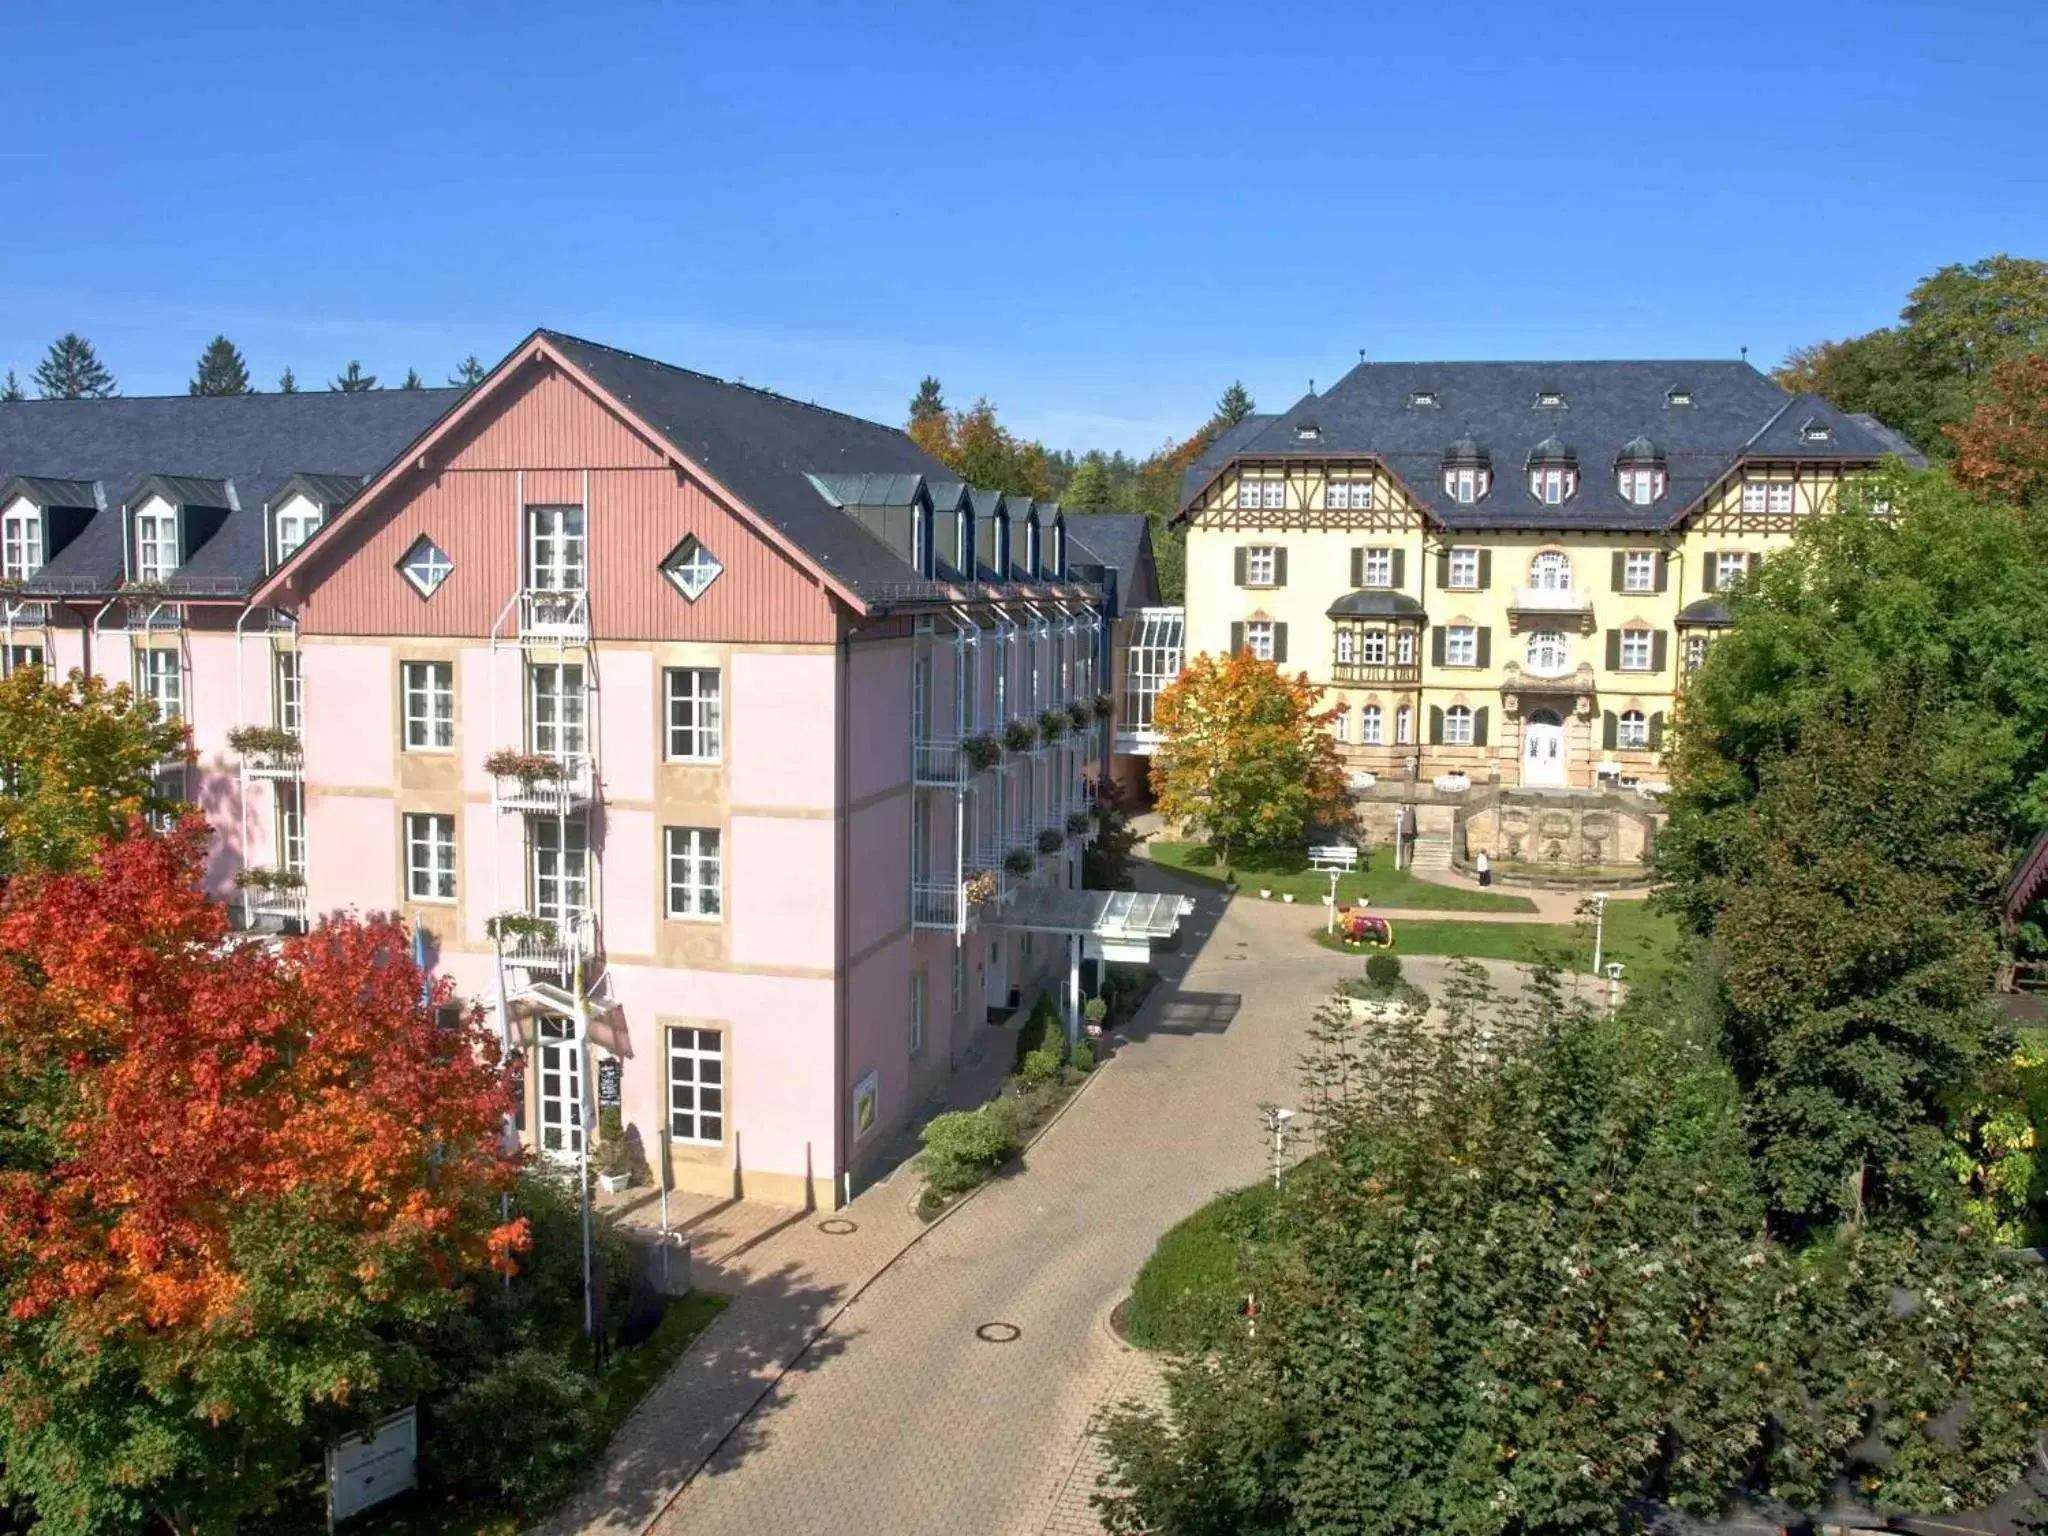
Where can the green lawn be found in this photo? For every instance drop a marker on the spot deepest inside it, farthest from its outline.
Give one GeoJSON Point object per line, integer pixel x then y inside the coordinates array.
{"type": "Point", "coordinates": [1644, 941]}
{"type": "Point", "coordinates": [1380, 882]}
{"type": "Point", "coordinates": [1189, 1290]}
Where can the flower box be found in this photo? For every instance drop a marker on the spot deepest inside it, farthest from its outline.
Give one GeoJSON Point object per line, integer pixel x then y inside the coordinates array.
{"type": "Point", "coordinates": [1018, 862]}
{"type": "Point", "coordinates": [1077, 717]}
{"type": "Point", "coordinates": [1104, 706]}
{"type": "Point", "coordinates": [981, 752]}
{"type": "Point", "coordinates": [261, 879]}
{"type": "Point", "coordinates": [1077, 824]}
{"type": "Point", "coordinates": [519, 925]}
{"type": "Point", "coordinates": [614, 1183]}
{"type": "Point", "coordinates": [268, 740]}
{"type": "Point", "coordinates": [980, 887]}
{"type": "Point", "coordinates": [1020, 736]}
{"type": "Point", "coordinates": [526, 767]}
{"type": "Point", "coordinates": [1052, 725]}
{"type": "Point", "coordinates": [1050, 839]}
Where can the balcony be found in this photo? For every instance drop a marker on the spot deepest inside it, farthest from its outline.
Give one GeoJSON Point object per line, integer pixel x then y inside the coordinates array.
{"type": "Point", "coordinates": [1551, 608]}
{"type": "Point", "coordinates": [549, 617]}
{"type": "Point", "coordinates": [938, 764]}
{"type": "Point", "coordinates": [273, 898]}
{"type": "Point", "coordinates": [268, 752]}
{"type": "Point", "coordinates": [1391, 674]}
{"type": "Point", "coordinates": [947, 906]}
{"type": "Point", "coordinates": [555, 944]}
{"type": "Point", "coordinates": [16, 613]}
{"type": "Point", "coordinates": [541, 784]}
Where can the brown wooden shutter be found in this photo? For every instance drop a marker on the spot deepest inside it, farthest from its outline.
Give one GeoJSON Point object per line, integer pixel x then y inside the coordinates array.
{"type": "Point", "coordinates": [1280, 642]}
{"type": "Point", "coordinates": [1436, 726]}
{"type": "Point", "coordinates": [1479, 727]}
{"type": "Point", "coordinates": [1483, 651]}
{"type": "Point", "coordinates": [1657, 731]}
{"type": "Point", "coordinates": [1236, 634]}
{"type": "Point", "coordinates": [1610, 729]}
{"type": "Point", "coordinates": [1614, 650]}
{"type": "Point", "coordinates": [1621, 570]}
{"type": "Point", "coordinates": [1485, 569]}
{"type": "Point", "coordinates": [1756, 563]}
{"type": "Point", "coordinates": [1663, 570]}
{"type": "Point", "coordinates": [1400, 572]}
{"type": "Point", "coordinates": [1658, 650]}
{"type": "Point", "coordinates": [1710, 574]}
{"type": "Point", "coordinates": [1443, 570]}
{"type": "Point", "coordinates": [1280, 566]}
{"type": "Point", "coordinates": [1239, 557]}
{"type": "Point", "coordinates": [1436, 646]}
{"type": "Point", "coordinates": [1358, 567]}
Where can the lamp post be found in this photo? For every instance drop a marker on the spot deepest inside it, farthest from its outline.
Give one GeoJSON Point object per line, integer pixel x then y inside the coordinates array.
{"type": "Point", "coordinates": [1599, 927]}
{"type": "Point", "coordinates": [1276, 1123]}
{"type": "Point", "coordinates": [1331, 925]}
{"type": "Point", "coordinates": [1613, 986]}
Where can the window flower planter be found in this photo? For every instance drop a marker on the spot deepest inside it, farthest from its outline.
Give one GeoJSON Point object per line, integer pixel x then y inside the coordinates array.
{"type": "Point", "coordinates": [1105, 706]}
{"type": "Point", "coordinates": [982, 752]}
{"type": "Point", "coordinates": [260, 879]}
{"type": "Point", "coordinates": [145, 591]}
{"type": "Point", "coordinates": [250, 740]}
{"type": "Point", "coordinates": [1020, 736]}
{"type": "Point", "coordinates": [1018, 863]}
{"type": "Point", "coordinates": [1077, 717]}
{"type": "Point", "coordinates": [1052, 725]}
{"type": "Point", "coordinates": [1050, 839]}
{"type": "Point", "coordinates": [980, 887]}
{"type": "Point", "coordinates": [1077, 824]}
{"type": "Point", "coordinates": [518, 925]}
{"type": "Point", "coordinates": [526, 767]}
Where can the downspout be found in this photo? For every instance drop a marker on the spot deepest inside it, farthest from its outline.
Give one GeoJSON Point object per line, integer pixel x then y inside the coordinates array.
{"type": "Point", "coordinates": [842, 855]}
{"type": "Point", "coordinates": [85, 629]}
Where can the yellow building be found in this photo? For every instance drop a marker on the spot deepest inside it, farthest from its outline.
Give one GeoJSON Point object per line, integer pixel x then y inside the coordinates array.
{"type": "Point", "coordinates": [1504, 570]}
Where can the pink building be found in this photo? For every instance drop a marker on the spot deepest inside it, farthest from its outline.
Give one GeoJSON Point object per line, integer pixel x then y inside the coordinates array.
{"type": "Point", "coordinates": [730, 722]}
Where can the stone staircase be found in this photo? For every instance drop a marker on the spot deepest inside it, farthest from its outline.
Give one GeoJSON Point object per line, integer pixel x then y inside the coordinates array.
{"type": "Point", "coordinates": [1430, 850]}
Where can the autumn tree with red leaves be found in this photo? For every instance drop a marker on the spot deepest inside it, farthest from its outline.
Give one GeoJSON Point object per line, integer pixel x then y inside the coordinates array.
{"type": "Point", "coordinates": [2002, 450]}
{"type": "Point", "coordinates": [237, 1188]}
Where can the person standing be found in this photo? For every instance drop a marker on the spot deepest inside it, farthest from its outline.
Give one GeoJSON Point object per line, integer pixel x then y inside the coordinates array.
{"type": "Point", "coordinates": [1484, 866]}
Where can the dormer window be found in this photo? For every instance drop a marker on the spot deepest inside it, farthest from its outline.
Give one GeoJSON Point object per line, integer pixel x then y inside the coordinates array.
{"type": "Point", "coordinates": [1639, 471]}
{"type": "Point", "coordinates": [1553, 473]}
{"type": "Point", "coordinates": [1678, 395]}
{"type": "Point", "coordinates": [156, 543]}
{"type": "Point", "coordinates": [1308, 432]}
{"type": "Point", "coordinates": [1814, 430]}
{"type": "Point", "coordinates": [21, 542]}
{"type": "Point", "coordinates": [297, 521]}
{"type": "Point", "coordinates": [1031, 548]}
{"type": "Point", "coordinates": [1550, 400]}
{"type": "Point", "coordinates": [1468, 473]}
{"type": "Point", "coordinates": [1422, 399]}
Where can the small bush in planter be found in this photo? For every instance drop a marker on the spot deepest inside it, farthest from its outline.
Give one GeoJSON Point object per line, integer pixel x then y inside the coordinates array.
{"type": "Point", "coordinates": [1050, 839]}
{"type": "Point", "coordinates": [248, 739]}
{"type": "Point", "coordinates": [518, 925]}
{"type": "Point", "coordinates": [1077, 824]}
{"type": "Point", "coordinates": [1017, 862]}
{"type": "Point", "coordinates": [1020, 736]}
{"type": "Point", "coordinates": [963, 1147]}
{"type": "Point", "coordinates": [1041, 1069]}
{"type": "Point", "coordinates": [982, 752]}
{"type": "Point", "coordinates": [1383, 970]}
{"type": "Point", "coordinates": [980, 887]}
{"type": "Point", "coordinates": [1077, 716]}
{"type": "Point", "coordinates": [1084, 1057]}
{"type": "Point", "coordinates": [1052, 725]}
{"type": "Point", "coordinates": [1095, 1011]}
{"type": "Point", "coordinates": [1104, 706]}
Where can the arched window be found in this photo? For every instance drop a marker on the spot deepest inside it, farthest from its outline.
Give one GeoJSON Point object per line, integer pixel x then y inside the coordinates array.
{"type": "Point", "coordinates": [1549, 653]}
{"type": "Point", "coordinates": [1467, 483]}
{"type": "Point", "coordinates": [1404, 726]}
{"type": "Point", "coordinates": [1337, 722]}
{"type": "Point", "coordinates": [1551, 571]}
{"type": "Point", "coordinates": [1369, 725]}
{"type": "Point", "coordinates": [1458, 726]}
{"type": "Point", "coordinates": [1635, 729]}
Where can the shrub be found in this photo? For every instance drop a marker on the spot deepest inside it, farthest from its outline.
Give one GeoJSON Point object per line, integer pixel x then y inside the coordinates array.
{"type": "Point", "coordinates": [1020, 736]}
{"type": "Point", "coordinates": [963, 1147]}
{"type": "Point", "coordinates": [527, 767]}
{"type": "Point", "coordinates": [1052, 725]}
{"type": "Point", "coordinates": [1095, 1010]}
{"type": "Point", "coordinates": [1049, 839]}
{"type": "Point", "coordinates": [1041, 1068]}
{"type": "Point", "coordinates": [1084, 1057]}
{"type": "Point", "coordinates": [1383, 970]}
{"type": "Point", "coordinates": [1189, 1290]}
{"type": "Point", "coordinates": [1017, 862]}
{"type": "Point", "coordinates": [1077, 716]}
{"type": "Point", "coordinates": [521, 1432]}
{"type": "Point", "coordinates": [1077, 823]}
{"type": "Point", "coordinates": [1042, 1030]}
{"type": "Point", "coordinates": [981, 752]}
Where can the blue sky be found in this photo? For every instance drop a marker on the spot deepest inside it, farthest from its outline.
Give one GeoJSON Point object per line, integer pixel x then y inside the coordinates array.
{"type": "Point", "coordinates": [1097, 215]}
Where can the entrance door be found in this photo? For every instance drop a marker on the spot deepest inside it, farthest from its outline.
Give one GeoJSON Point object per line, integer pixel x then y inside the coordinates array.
{"type": "Point", "coordinates": [998, 968]}
{"type": "Point", "coordinates": [1543, 749]}
{"type": "Point", "coordinates": [561, 1089]}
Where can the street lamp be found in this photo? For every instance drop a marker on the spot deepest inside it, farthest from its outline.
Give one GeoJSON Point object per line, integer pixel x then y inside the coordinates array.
{"type": "Point", "coordinates": [1331, 925]}
{"type": "Point", "coordinates": [1599, 927]}
{"type": "Point", "coordinates": [1613, 985]}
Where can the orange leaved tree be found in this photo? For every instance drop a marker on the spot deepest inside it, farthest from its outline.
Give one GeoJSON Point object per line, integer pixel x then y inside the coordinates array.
{"type": "Point", "coordinates": [237, 1190]}
{"type": "Point", "coordinates": [1247, 755]}
{"type": "Point", "coordinates": [2002, 450]}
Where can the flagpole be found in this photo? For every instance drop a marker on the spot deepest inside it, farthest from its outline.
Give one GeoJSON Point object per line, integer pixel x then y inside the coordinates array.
{"type": "Point", "coordinates": [583, 1136]}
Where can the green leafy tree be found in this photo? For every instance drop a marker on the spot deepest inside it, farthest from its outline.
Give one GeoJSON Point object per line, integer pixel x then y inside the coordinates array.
{"type": "Point", "coordinates": [1246, 755]}
{"type": "Point", "coordinates": [10, 388]}
{"type": "Point", "coordinates": [413, 380]}
{"type": "Point", "coordinates": [468, 374]}
{"type": "Point", "coordinates": [931, 424]}
{"type": "Point", "coordinates": [986, 453]}
{"type": "Point", "coordinates": [353, 380]}
{"type": "Point", "coordinates": [1522, 1290]}
{"type": "Point", "coordinates": [78, 761]}
{"type": "Point", "coordinates": [221, 370]}
{"type": "Point", "coordinates": [1090, 489]}
{"type": "Point", "coordinates": [73, 371]}
{"type": "Point", "coordinates": [288, 383]}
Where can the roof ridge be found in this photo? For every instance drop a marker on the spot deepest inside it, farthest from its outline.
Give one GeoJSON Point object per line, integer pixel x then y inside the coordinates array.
{"type": "Point", "coordinates": [712, 378]}
{"type": "Point", "coordinates": [253, 394]}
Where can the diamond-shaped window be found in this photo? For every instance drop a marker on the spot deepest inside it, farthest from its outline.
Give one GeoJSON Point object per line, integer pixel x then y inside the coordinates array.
{"type": "Point", "coordinates": [691, 567]}
{"type": "Point", "coordinates": [425, 566]}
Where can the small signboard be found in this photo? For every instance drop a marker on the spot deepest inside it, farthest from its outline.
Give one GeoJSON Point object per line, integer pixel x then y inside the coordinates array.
{"type": "Point", "coordinates": [610, 1076]}
{"type": "Point", "coordinates": [867, 1095]}
{"type": "Point", "coordinates": [371, 1468]}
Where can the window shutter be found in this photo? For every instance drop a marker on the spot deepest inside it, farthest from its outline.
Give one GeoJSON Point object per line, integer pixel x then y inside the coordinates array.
{"type": "Point", "coordinates": [1358, 567]}
{"type": "Point", "coordinates": [1240, 558]}
{"type": "Point", "coordinates": [1436, 726]}
{"type": "Point", "coordinates": [1436, 646]}
{"type": "Point", "coordinates": [1443, 570]}
{"type": "Point", "coordinates": [1620, 570]}
{"type": "Point", "coordinates": [1484, 649]}
{"type": "Point", "coordinates": [1485, 569]}
{"type": "Point", "coordinates": [1479, 727]}
{"type": "Point", "coordinates": [1710, 576]}
{"type": "Point", "coordinates": [1280, 566]}
{"type": "Point", "coordinates": [1610, 729]}
{"type": "Point", "coordinates": [1658, 654]}
{"type": "Point", "coordinates": [1614, 650]}
{"type": "Point", "coordinates": [1237, 632]}
{"type": "Point", "coordinates": [1280, 642]}
{"type": "Point", "coordinates": [1756, 563]}
{"type": "Point", "coordinates": [1400, 568]}
{"type": "Point", "coordinates": [1663, 570]}
{"type": "Point", "coordinates": [1657, 731]}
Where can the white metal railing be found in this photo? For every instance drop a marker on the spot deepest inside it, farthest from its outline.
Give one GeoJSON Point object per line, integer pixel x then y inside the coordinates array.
{"type": "Point", "coordinates": [564, 941]}
{"type": "Point", "coordinates": [565, 795]}
{"type": "Point", "coordinates": [554, 616]}
{"type": "Point", "coordinates": [274, 762]}
{"type": "Point", "coordinates": [938, 764]}
{"type": "Point", "coordinates": [27, 614]}
{"type": "Point", "coordinates": [942, 905]}
{"type": "Point", "coordinates": [287, 905]}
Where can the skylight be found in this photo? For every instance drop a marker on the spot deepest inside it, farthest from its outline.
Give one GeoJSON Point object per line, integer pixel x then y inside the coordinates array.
{"type": "Point", "coordinates": [1814, 430]}
{"type": "Point", "coordinates": [1549, 399]}
{"type": "Point", "coordinates": [1308, 432]}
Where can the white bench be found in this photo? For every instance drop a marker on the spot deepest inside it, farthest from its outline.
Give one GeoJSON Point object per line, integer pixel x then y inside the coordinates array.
{"type": "Point", "coordinates": [1341, 856]}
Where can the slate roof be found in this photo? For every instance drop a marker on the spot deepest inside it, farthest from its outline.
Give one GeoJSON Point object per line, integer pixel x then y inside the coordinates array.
{"type": "Point", "coordinates": [249, 446]}
{"type": "Point", "coordinates": [1370, 603]}
{"type": "Point", "coordinates": [765, 448]}
{"type": "Point", "coordinates": [1117, 541]}
{"type": "Point", "coordinates": [1736, 412]}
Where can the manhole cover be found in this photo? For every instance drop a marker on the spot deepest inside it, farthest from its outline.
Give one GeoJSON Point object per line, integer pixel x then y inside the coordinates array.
{"type": "Point", "coordinates": [838, 1226]}
{"type": "Point", "coordinates": [998, 1333]}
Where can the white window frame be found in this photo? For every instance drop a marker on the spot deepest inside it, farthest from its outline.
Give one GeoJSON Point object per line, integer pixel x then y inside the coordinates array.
{"type": "Point", "coordinates": [1347, 645]}
{"type": "Point", "coordinates": [1458, 726]}
{"type": "Point", "coordinates": [1778, 501]}
{"type": "Point", "coordinates": [1404, 726]}
{"type": "Point", "coordinates": [702, 737]}
{"type": "Point", "coordinates": [427, 694]}
{"type": "Point", "coordinates": [1464, 568]}
{"type": "Point", "coordinates": [1468, 485]}
{"type": "Point", "coordinates": [557, 710]}
{"type": "Point", "coordinates": [1371, 725]}
{"type": "Point", "coordinates": [19, 656]}
{"type": "Point", "coordinates": [1379, 568]}
{"type": "Point", "coordinates": [1639, 570]}
{"type": "Point", "coordinates": [1553, 484]}
{"type": "Point", "coordinates": [691, 567]}
{"type": "Point", "coordinates": [289, 692]}
{"type": "Point", "coordinates": [1261, 564]}
{"type": "Point", "coordinates": [557, 549]}
{"type": "Point", "coordinates": [1730, 565]}
{"type": "Point", "coordinates": [1549, 652]}
{"type": "Point", "coordinates": [1638, 649]}
{"type": "Point", "coordinates": [558, 863]}
{"type": "Point", "coordinates": [1461, 645]}
{"type": "Point", "coordinates": [21, 542]}
{"type": "Point", "coordinates": [1641, 485]}
{"type": "Point", "coordinates": [302, 526]}
{"type": "Point", "coordinates": [1348, 496]}
{"type": "Point", "coordinates": [291, 827]}
{"type": "Point", "coordinates": [430, 866]}
{"type": "Point", "coordinates": [917, 991]}
{"type": "Point", "coordinates": [1258, 639]}
{"type": "Point", "coordinates": [693, 863]}
{"type": "Point", "coordinates": [687, 1044]}
{"type": "Point", "coordinates": [425, 566]}
{"type": "Point", "coordinates": [156, 544]}
{"type": "Point", "coordinates": [1632, 731]}
{"type": "Point", "coordinates": [160, 678]}
{"type": "Point", "coordinates": [1695, 652]}
{"type": "Point", "coordinates": [1404, 647]}
{"type": "Point", "coordinates": [1551, 571]}
{"type": "Point", "coordinates": [1372, 647]}
{"type": "Point", "coordinates": [561, 1058]}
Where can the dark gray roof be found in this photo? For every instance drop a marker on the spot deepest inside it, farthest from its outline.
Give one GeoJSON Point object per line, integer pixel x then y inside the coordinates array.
{"type": "Point", "coordinates": [249, 446]}
{"type": "Point", "coordinates": [870, 490]}
{"type": "Point", "coordinates": [948, 495]}
{"type": "Point", "coordinates": [765, 448]}
{"type": "Point", "coordinates": [1735, 412]}
{"type": "Point", "coordinates": [1706, 613]}
{"type": "Point", "coordinates": [986, 502]}
{"type": "Point", "coordinates": [1371, 603]}
{"type": "Point", "coordinates": [330, 491]}
{"type": "Point", "coordinates": [1894, 441]}
{"type": "Point", "coordinates": [184, 491]}
{"type": "Point", "coordinates": [49, 493]}
{"type": "Point", "coordinates": [1119, 542]}
{"type": "Point", "coordinates": [1224, 448]}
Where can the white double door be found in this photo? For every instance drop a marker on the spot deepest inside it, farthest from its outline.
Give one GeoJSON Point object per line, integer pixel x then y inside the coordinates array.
{"type": "Point", "coordinates": [1543, 749]}
{"type": "Point", "coordinates": [561, 1089]}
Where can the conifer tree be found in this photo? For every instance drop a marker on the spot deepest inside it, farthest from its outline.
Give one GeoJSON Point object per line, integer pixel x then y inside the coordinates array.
{"type": "Point", "coordinates": [1236, 404]}
{"type": "Point", "coordinates": [11, 389]}
{"type": "Point", "coordinates": [353, 380]}
{"type": "Point", "coordinates": [73, 371]}
{"type": "Point", "coordinates": [288, 383]}
{"type": "Point", "coordinates": [221, 370]}
{"type": "Point", "coordinates": [413, 380]}
{"type": "Point", "coordinates": [468, 373]}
